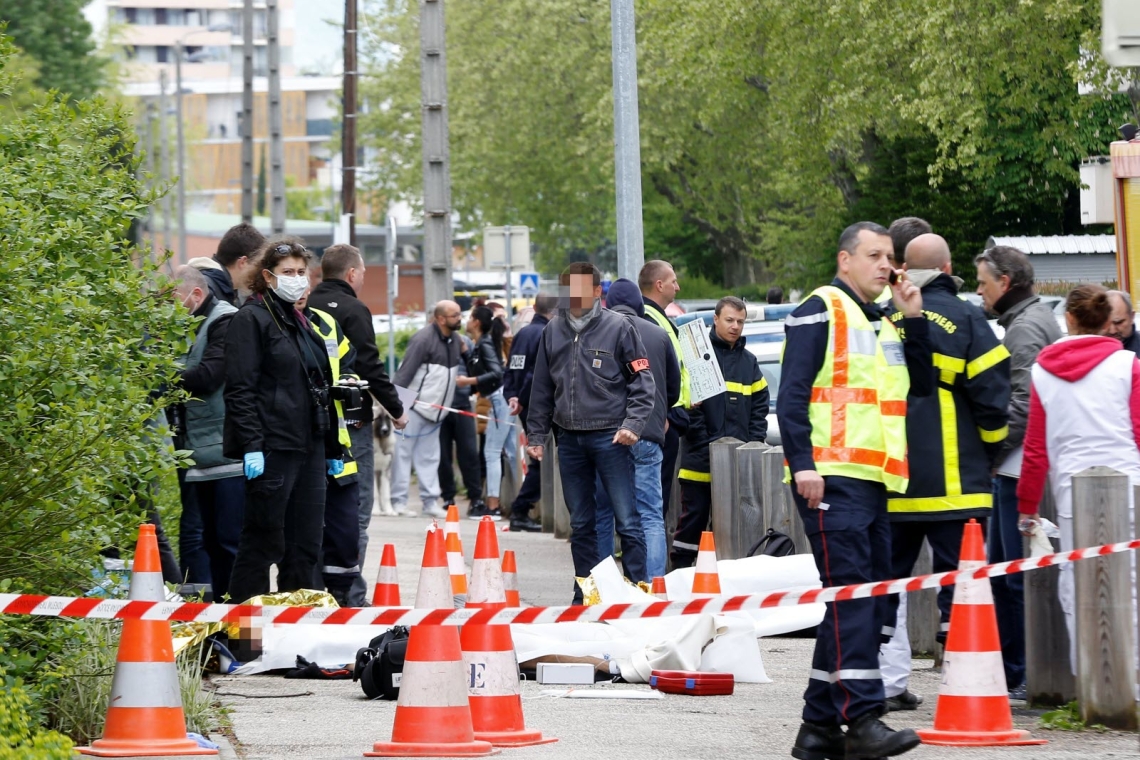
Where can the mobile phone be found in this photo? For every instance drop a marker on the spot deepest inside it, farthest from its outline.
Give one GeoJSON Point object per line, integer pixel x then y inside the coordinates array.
{"type": "Point", "coordinates": [893, 277]}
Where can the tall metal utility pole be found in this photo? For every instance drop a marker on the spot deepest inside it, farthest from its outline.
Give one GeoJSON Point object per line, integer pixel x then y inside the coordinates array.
{"type": "Point", "coordinates": [276, 139]}
{"type": "Point", "coordinates": [627, 144]}
{"type": "Point", "coordinates": [436, 159]}
{"type": "Point", "coordinates": [163, 158]}
{"type": "Point", "coordinates": [247, 111]}
{"type": "Point", "coordinates": [179, 51]}
{"type": "Point", "coordinates": [348, 130]}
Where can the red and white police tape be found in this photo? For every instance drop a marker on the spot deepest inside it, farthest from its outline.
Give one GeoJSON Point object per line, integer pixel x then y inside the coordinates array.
{"type": "Point", "coordinates": [71, 607]}
{"type": "Point", "coordinates": [465, 413]}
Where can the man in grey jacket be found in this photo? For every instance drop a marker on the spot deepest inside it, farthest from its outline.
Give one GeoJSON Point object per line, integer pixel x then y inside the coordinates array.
{"type": "Point", "coordinates": [1005, 283]}
{"type": "Point", "coordinates": [592, 385]}
{"type": "Point", "coordinates": [429, 368]}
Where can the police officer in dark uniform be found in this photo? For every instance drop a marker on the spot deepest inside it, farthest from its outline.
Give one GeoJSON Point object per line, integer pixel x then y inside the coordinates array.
{"type": "Point", "coordinates": [953, 436]}
{"type": "Point", "coordinates": [516, 388]}
{"type": "Point", "coordinates": [842, 412]}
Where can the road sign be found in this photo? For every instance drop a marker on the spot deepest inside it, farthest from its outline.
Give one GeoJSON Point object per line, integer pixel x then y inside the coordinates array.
{"type": "Point", "coordinates": [528, 284]}
{"type": "Point", "coordinates": [495, 249]}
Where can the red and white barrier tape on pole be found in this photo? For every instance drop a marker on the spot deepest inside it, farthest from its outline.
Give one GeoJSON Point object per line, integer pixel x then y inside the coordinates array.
{"type": "Point", "coordinates": [61, 606]}
{"type": "Point", "coordinates": [466, 413]}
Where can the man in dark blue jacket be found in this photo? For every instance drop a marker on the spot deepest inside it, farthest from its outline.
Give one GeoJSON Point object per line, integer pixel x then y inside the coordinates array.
{"type": "Point", "coordinates": [516, 387]}
{"type": "Point", "coordinates": [740, 412]}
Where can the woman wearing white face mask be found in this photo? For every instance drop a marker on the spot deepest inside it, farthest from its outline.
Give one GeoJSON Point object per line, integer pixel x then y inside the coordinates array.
{"type": "Point", "coordinates": [281, 424]}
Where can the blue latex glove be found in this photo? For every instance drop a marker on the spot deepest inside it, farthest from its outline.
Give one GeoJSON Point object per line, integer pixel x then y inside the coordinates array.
{"type": "Point", "coordinates": [336, 467]}
{"type": "Point", "coordinates": [254, 464]}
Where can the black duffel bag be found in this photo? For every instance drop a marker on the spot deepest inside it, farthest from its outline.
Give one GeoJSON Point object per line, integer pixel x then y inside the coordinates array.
{"type": "Point", "coordinates": [773, 544]}
{"type": "Point", "coordinates": [380, 665]}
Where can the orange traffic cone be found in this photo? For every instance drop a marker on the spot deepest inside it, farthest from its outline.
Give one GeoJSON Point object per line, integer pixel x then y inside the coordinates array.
{"type": "Point", "coordinates": [659, 588]}
{"type": "Point", "coordinates": [145, 715]}
{"type": "Point", "coordinates": [433, 715]}
{"type": "Point", "coordinates": [387, 591]}
{"type": "Point", "coordinates": [454, 548]}
{"type": "Point", "coordinates": [706, 581]}
{"type": "Point", "coordinates": [489, 653]}
{"type": "Point", "coordinates": [511, 579]}
{"type": "Point", "coordinates": [973, 701]}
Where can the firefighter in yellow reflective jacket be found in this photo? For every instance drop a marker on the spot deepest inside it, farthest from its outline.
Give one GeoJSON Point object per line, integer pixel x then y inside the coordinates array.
{"type": "Point", "coordinates": [954, 435]}
{"type": "Point", "coordinates": [340, 553]}
{"type": "Point", "coordinates": [842, 413]}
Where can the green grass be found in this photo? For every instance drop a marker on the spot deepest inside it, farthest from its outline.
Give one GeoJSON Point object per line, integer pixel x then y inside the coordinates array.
{"type": "Point", "coordinates": [1068, 718]}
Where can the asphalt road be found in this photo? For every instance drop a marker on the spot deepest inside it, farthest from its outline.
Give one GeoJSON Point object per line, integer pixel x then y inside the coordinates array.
{"type": "Point", "coordinates": [273, 718]}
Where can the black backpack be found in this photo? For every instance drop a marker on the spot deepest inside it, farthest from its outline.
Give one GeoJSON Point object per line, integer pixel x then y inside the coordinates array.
{"type": "Point", "coordinates": [380, 665]}
{"type": "Point", "coordinates": [773, 544]}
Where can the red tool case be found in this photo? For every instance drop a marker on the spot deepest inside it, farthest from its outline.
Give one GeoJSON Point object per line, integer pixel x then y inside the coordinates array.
{"type": "Point", "coordinates": [697, 684]}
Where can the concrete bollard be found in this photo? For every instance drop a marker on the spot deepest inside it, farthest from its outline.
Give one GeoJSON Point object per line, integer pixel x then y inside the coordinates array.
{"type": "Point", "coordinates": [1048, 677]}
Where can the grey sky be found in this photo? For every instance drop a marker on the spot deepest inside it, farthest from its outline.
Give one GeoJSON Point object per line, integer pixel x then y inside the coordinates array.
{"type": "Point", "coordinates": [318, 45]}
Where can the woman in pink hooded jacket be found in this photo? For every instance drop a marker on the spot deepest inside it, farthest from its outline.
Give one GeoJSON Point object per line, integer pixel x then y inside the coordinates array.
{"type": "Point", "coordinates": [1084, 411]}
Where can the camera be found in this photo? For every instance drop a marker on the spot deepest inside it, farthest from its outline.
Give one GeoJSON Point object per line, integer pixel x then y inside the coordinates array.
{"type": "Point", "coordinates": [320, 410]}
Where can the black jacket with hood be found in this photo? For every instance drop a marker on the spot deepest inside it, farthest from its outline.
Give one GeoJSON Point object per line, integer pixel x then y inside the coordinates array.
{"type": "Point", "coordinates": [625, 298]}
{"type": "Point", "coordinates": [273, 361]}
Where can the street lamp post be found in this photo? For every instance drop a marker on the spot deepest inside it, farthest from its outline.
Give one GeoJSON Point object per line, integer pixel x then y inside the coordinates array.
{"type": "Point", "coordinates": [178, 51]}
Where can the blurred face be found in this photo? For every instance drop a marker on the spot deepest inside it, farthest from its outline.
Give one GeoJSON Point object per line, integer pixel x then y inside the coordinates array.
{"type": "Point", "coordinates": [355, 277]}
{"type": "Point", "coordinates": [583, 293]}
{"type": "Point", "coordinates": [990, 288]}
{"type": "Point", "coordinates": [729, 324]}
{"type": "Point", "coordinates": [867, 268]}
{"type": "Point", "coordinates": [451, 319]}
{"type": "Point", "coordinates": [1120, 322]}
{"type": "Point", "coordinates": [473, 326]}
{"type": "Point", "coordinates": [190, 298]}
{"type": "Point", "coordinates": [668, 287]}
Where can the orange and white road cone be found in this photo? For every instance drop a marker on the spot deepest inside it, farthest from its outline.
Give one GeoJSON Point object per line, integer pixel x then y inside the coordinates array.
{"type": "Point", "coordinates": [973, 701]}
{"type": "Point", "coordinates": [659, 588]}
{"type": "Point", "coordinates": [455, 564]}
{"type": "Point", "coordinates": [489, 653]}
{"type": "Point", "coordinates": [511, 579]}
{"type": "Point", "coordinates": [433, 715]}
{"type": "Point", "coordinates": [387, 591]}
{"type": "Point", "coordinates": [145, 715]}
{"type": "Point", "coordinates": [706, 580]}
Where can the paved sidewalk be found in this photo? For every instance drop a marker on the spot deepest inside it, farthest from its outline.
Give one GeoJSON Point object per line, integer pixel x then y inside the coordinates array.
{"type": "Point", "coordinates": [274, 718]}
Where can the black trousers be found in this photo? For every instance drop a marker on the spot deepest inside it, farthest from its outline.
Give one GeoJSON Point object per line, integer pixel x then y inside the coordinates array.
{"type": "Point", "coordinates": [459, 431]}
{"type": "Point", "coordinates": [945, 537]}
{"type": "Point", "coordinates": [284, 523]}
{"type": "Point", "coordinates": [222, 507]}
{"type": "Point", "coordinates": [340, 550]}
{"type": "Point", "coordinates": [696, 504]}
{"type": "Point", "coordinates": [531, 490]}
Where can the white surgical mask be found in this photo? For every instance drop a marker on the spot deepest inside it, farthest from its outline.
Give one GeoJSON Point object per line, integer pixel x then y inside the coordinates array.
{"type": "Point", "coordinates": [291, 288]}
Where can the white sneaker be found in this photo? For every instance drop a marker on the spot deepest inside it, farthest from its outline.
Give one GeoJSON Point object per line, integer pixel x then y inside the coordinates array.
{"type": "Point", "coordinates": [403, 511]}
{"type": "Point", "coordinates": [434, 511]}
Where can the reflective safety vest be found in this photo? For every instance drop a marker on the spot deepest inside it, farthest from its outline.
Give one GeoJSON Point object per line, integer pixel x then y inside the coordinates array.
{"type": "Point", "coordinates": [336, 351]}
{"type": "Point", "coordinates": [671, 330]}
{"type": "Point", "coordinates": [858, 400]}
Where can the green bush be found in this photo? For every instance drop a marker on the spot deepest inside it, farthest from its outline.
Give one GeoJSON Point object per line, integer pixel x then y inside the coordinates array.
{"type": "Point", "coordinates": [88, 334]}
{"type": "Point", "coordinates": [19, 738]}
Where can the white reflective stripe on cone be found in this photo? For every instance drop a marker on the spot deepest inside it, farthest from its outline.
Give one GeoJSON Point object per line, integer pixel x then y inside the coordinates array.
{"type": "Point", "coordinates": [486, 582]}
{"type": "Point", "coordinates": [388, 575]}
{"type": "Point", "coordinates": [455, 563]}
{"type": "Point", "coordinates": [145, 684]}
{"type": "Point", "coordinates": [973, 674]}
{"type": "Point", "coordinates": [706, 562]}
{"type": "Point", "coordinates": [147, 587]}
{"type": "Point", "coordinates": [973, 591]}
{"type": "Point", "coordinates": [434, 593]}
{"type": "Point", "coordinates": [450, 527]}
{"type": "Point", "coordinates": [492, 674]}
{"type": "Point", "coordinates": [510, 582]}
{"type": "Point", "coordinates": [433, 684]}
{"type": "Point", "coordinates": [848, 674]}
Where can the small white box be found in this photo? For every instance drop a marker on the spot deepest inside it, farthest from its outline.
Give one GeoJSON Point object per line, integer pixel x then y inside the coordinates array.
{"type": "Point", "coordinates": [565, 672]}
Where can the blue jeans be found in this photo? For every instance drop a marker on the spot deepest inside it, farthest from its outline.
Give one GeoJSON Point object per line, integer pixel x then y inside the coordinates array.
{"type": "Point", "coordinates": [1009, 596]}
{"type": "Point", "coordinates": [498, 434]}
{"type": "Point", "coordinates": [583, 457]}
{"type": "Point", "coordinates": [645, 459]}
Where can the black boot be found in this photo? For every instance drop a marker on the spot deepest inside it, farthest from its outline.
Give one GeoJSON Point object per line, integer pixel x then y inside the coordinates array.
{"type": "Point", "coordinates": [869, 737]}
{"type": "Point", "coordinates": [816, 742]}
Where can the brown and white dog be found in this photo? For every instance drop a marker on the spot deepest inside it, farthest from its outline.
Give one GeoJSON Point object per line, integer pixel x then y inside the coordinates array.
{"type": "Point", "coordinates": [383, 450]}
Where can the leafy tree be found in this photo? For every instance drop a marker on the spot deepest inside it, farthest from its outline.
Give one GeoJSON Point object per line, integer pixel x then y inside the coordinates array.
{"type": "Point", "coordinates": [87, 336]}
{"type": "Point", "coordinates": [56, 34]}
